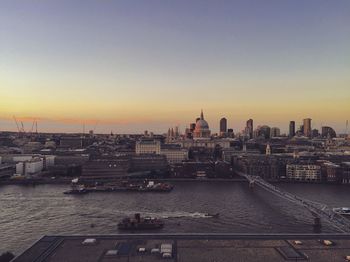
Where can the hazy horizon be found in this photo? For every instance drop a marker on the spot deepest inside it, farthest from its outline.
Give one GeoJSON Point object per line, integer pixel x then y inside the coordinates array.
{"type": "Point", "coordinates": [127, 66]}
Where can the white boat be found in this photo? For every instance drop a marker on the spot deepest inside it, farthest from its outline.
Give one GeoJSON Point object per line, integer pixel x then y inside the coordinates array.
{"type": "Point", "coordinates": [342, 210]}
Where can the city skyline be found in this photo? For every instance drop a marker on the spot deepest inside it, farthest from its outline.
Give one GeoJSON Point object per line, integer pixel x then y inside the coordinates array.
{"type": "Point", "coordinates": [34, 124]}
{"type": "Point", "coordinates": [128, 67]}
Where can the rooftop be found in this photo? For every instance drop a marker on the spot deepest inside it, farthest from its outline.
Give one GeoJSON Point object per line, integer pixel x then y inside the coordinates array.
{"type": "Point", "coordinates": [190, 247]}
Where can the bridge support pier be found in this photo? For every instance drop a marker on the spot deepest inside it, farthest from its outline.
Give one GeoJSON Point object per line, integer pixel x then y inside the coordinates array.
{"type": "Point", "coordinates": [317, 225]}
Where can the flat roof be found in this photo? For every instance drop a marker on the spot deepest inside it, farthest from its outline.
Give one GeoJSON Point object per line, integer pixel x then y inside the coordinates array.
{"type": "Point", "coordinates": [189, 247]}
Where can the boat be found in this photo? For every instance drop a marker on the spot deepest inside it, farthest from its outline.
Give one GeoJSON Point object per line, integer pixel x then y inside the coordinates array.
{"type": "Point", "coordinates": [117, 187]}
{"type": "Point", "coordinates": [139, 223]}
{"type": "Point", "coordinates": [157, 187]}
{"type": "Point", "coordinates": [342, 210]}
{"type": "Point", "coordinates": [149, 187]}
{"type": "Point", "coordinates": [76, 191]}
{"type": "Point", "coordinates": [215, 215]}
{"type": "Point", "coordinates": [76, 188]}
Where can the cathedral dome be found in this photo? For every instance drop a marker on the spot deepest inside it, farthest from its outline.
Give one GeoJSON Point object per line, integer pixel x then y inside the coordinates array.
{"type": "Point", "coordinates": [202, 128]}
{"type": "Point", "coordinates": [202, 124]}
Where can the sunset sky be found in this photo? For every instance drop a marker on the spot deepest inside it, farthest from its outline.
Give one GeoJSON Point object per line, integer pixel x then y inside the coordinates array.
{"type": "Point", "coordinates": [129, 66]}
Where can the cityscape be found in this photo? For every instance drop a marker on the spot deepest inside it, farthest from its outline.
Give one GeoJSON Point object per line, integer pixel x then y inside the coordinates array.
{"type": "Point", "coordinates": [183, 131]}
{"type": "Point", "coordinates": [304, 154]}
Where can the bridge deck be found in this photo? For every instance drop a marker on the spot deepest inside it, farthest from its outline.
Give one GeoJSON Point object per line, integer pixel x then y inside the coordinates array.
{"type": "Point", "coordinates": [317, 209]}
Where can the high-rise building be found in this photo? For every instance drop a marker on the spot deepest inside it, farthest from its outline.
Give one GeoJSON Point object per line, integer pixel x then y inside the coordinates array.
{"type": "Point", "coordinates": [275, 132]}
{"type": "Point", "coordinates": [315, 133]}
{"type": "Point", "coordinates": [249, 128]}
{"type": "Point", "coordinates": [264, 131]}
{"type": "Point", "coordinates": [292, 128]}
{"type": "Point", "coordinates": [223, 126]}
{"type": "Point", "coordinates": [328, 132]}
{"type": "Point", "coordinates": [188, 133]}
{"type": "Point", "coordinates": [177, 133]}
{"type": "Point", "coordinates": [230, 133]}
{"type": "Point", "coordinates": [192, 126]}
{"type": "Point", "coordinates": [307, 127]}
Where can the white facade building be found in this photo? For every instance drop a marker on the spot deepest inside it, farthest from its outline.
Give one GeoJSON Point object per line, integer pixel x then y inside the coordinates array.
{"type": "Point", "coordinates": [304, 172]}
{"type": "Point", "coordinates": [147, 147]}
{"type": "Point", "coordinates": [22, 158]}
{"type": "Point", "coordinates": [30, 167]}
{"type": "Point", "coordinates": [208, 143]}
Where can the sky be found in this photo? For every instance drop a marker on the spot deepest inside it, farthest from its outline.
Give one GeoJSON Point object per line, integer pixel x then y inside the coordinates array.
{"type": "Point", "coordinates": [129, 66]}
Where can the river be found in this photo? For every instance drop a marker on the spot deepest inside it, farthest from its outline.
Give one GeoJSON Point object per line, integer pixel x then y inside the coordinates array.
{"type": "Point", "coordinates": [29, 212]}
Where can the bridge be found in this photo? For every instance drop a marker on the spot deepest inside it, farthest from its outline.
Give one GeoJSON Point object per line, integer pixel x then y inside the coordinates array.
{"type": "Point", "coordinates": [318, 210]}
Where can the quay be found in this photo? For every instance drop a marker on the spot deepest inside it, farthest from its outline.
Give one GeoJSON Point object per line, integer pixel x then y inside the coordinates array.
{"type": "Point", "coordinates": [67, 181]}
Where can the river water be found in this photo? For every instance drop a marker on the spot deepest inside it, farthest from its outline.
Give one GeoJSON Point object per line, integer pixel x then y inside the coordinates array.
{"type": "Point", "coordinates": [29, 212]}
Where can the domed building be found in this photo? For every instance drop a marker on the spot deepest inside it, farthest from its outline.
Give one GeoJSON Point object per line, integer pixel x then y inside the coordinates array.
{"type": "Point", "coordinates": [202, 128]}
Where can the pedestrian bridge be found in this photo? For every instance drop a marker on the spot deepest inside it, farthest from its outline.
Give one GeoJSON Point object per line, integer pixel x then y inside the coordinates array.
{"type": "Point", "coordinates": [318, 210]}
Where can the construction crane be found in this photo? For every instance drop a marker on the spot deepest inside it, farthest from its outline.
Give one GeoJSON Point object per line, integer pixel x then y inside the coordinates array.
{"type": "Point", "coordinates": [34, 124]}
{"type": "Point", "coordinates": [19, 130]}
{"type": "Point", "coordinates": [31, 130]}
{"type": "Point", "coordinates": [22, 127]}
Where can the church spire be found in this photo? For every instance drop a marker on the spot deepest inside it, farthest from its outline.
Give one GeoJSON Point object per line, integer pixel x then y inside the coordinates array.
{"type": "Point", "coordinates": [202, 117]}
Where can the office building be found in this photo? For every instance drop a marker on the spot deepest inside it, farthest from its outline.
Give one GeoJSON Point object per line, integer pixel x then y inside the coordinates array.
{"type": "Point", "coordinates": [275, 132]}
{"type": "Point", "coordinates": [204, 143]}
{"type": "Point", "coordinates": [345, 173]}
{"type": "Point", "coordinates": [328, 132]}
{"type": "Point", "coordinates": [223, 126]}
{"type": "Point", "coordinates": [174, 153]}
{"type": "Point", "coordinates": [192, 127]}
{"type": "Point", "coordinates": [307, 173]}
{"type": "Point", "coordinates": [147, 146]}
{"type": "Point", "coordinates": [264, 131]}
{"type": "Point", "coordinates": [315, 133]}
{"type": "Point", "coordinates": [148, 162]}
{"type": "Point", "coordinates": [331, 172]}
{"type": "Point", "coordinates": [291, 128]}
{"type": "Point", "coordinates": [230, 133]}
{"type": "Point", "coordinates": [307, 127]}
{"type": "Point", "coordinates": [31, 167]}
{"type": "Point", "coordinates": [249, 128]}
{"type": "Point", "coordinates": [106, 167]}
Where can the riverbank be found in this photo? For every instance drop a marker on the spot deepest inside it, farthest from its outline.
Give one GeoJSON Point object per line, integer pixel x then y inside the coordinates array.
{"type": "Point", "coordinates": [67, 181]}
